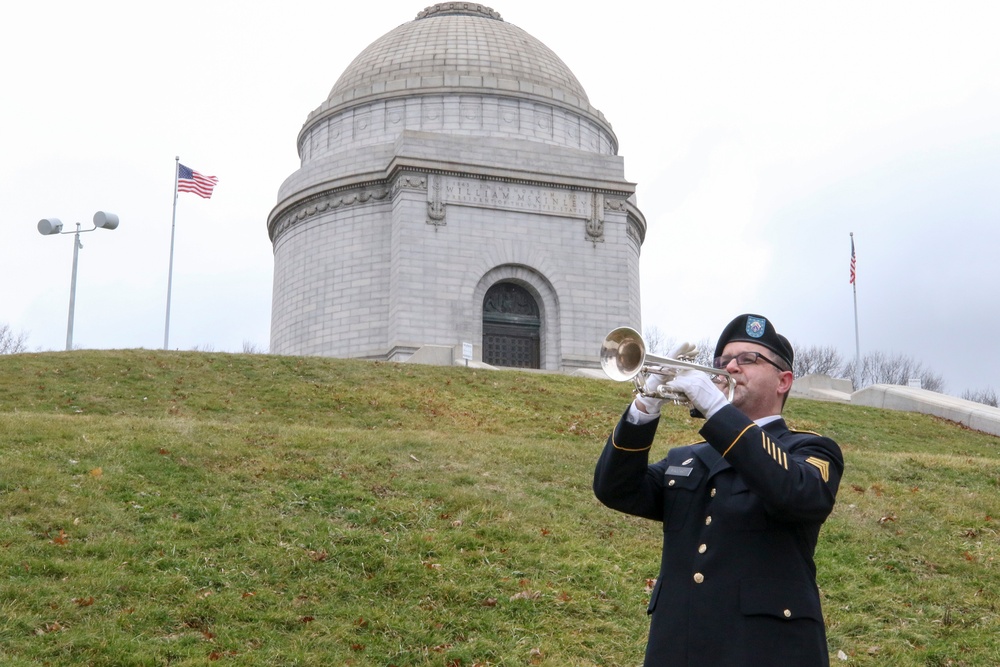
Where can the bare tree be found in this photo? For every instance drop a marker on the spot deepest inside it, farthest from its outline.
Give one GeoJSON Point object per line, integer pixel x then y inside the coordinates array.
{"type": "Point", "coordinates": [881, 368]}
{"type": "Point", "coordinates": [249, 347]}
{"type": "Point", "coordinates": [11, 343]}
{"type": "Point", "coordinates": [985, 396]}
{"type": "Point", "coordinates": [817, 360]}
{"type": "Point", "coordinates": [706, 352]}
{"type": "Point", "coordinates": [656, 341]}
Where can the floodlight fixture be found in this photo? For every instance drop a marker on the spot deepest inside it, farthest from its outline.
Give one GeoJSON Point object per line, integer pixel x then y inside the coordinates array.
{"type": "Point", "coordinates": [53, 226]}
{"type": "Point", "coordinates": [105, 220]}
{"type": "Point", "coordinates": [48, 226]}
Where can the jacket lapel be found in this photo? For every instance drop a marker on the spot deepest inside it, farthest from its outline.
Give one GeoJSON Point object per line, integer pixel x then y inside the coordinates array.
{"type": "Point", "coordinates": [711, 458]}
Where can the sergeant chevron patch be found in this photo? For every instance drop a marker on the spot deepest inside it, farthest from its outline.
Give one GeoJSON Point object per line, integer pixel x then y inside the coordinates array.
{"type": "Point", "coordinates": [777, 453]}
{"type": "Point", "coordinates": [822, 466]}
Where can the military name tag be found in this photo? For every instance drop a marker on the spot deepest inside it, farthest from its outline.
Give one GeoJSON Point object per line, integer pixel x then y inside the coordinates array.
{"type": "Point", "coordinates": [677, 470]}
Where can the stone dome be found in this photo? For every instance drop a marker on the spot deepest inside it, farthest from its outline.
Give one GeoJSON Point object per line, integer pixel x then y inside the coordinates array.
{"type": "Point", "coordinates": [453, 46]}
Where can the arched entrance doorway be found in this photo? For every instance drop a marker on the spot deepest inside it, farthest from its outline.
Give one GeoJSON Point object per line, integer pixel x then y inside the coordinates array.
{"type": "Point", "coordinates": [511, 327]}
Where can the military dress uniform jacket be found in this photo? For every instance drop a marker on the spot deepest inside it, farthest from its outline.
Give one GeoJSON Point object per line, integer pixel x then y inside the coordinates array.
{"type": "Point", "coordinates": [741, 514]}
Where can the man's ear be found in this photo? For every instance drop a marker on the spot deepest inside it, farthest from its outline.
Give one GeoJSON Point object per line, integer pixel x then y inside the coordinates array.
{"type": "Point", "coordinates": [785, 383]}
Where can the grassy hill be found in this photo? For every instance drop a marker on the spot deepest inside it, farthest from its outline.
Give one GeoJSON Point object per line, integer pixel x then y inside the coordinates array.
{"type": "Point", "coordinates": [164, 508]}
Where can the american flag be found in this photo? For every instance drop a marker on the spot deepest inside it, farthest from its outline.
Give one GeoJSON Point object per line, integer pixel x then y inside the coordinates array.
{"type": "Point", "coordinates": [189, 180]}
{"type": "Point", "coordinates": [853, 261]}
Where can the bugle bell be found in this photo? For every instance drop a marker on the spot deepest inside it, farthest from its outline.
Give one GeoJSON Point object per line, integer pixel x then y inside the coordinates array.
{"type": "Point", "coordinates": [623, 358]}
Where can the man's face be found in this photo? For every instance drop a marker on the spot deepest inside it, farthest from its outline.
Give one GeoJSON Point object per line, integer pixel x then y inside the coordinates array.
{"type": "Point", "coordinates": [760, 387]}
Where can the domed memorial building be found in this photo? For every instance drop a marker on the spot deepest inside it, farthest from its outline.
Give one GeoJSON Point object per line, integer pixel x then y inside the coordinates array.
{"type": "Point", "coordinates": [457, 190]}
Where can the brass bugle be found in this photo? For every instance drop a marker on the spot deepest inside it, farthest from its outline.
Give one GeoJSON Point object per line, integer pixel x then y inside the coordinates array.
{"type": "Point", "coordinates": [623, 358]}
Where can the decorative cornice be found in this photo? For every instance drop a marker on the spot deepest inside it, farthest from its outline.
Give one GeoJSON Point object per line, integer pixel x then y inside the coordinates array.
{"type": "Point", "coordinates": [409, 181]}
{"type": "Point", "coordinates": [459, 8]}
{"type": "Point", "coordinates": [430, 181]}
{"type": "Point", "coordinates": [328, 202]}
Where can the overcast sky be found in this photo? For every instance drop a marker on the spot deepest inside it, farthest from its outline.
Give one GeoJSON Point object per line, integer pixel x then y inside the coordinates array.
{"type": "Point", "coordinates": [760, 135]}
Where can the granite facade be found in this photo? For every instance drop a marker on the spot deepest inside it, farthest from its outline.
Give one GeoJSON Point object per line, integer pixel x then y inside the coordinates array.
{"type": "Point", "coordinates": [409, 207]}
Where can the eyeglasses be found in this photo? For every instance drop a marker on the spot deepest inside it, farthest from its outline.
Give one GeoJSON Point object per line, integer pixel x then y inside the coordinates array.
{"type": "Point", "coordinates": [743, 359]}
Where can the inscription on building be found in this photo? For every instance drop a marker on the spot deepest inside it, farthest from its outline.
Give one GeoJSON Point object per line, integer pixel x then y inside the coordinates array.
{"type": "Point", "coordinates": [515, 197]}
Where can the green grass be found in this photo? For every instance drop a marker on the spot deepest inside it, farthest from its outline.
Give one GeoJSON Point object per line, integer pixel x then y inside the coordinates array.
{"type": "Point", "coordinates": [186, 508]}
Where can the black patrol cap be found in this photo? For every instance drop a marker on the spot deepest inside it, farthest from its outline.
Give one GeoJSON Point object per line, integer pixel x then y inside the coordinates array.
{"type": "Point", "coordinates": [756, 329]}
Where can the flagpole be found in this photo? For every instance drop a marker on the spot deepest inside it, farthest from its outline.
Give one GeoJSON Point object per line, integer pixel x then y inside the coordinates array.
{"type": "Point", "coordinates": [857, 335]}
{"type": "Point", "coordinates": [170, 270]}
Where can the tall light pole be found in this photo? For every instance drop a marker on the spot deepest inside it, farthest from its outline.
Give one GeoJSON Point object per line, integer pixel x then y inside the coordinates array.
{"type": "Point", "coordinates": [51, 226]}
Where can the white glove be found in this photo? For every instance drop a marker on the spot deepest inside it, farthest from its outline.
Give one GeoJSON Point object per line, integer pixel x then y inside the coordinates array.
{"type": "Point", "coordinates": [651, 406]}
{"type": "Point", "coordinates": [685, 351]}
{"type": "Point", "coordinates": [704, 394]}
